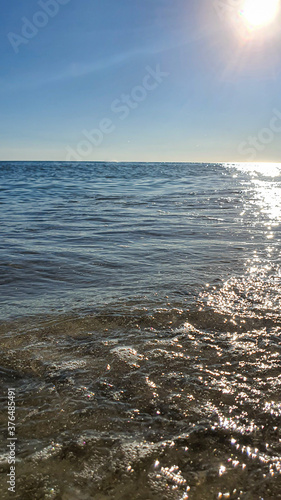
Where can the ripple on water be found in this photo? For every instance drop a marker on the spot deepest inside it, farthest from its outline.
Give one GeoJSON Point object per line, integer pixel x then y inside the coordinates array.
{"type": "Point", "coordinates": [173, 412]}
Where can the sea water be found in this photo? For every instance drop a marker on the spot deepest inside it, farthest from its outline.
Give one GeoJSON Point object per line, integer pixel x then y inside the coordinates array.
{"type": "Point", "coordinates": [140, 329]}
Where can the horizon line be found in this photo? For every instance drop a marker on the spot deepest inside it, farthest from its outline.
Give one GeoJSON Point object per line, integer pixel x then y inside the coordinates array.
{"type": "Point", "coordinates": [139, 161]}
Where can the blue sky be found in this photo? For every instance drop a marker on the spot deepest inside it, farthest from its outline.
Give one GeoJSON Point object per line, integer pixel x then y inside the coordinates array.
{"type": "Point", "coordinates": [219, 100]}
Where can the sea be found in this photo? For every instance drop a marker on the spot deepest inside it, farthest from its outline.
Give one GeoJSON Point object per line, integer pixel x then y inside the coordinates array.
{"type": "Point", "coordinates": [140, 331]}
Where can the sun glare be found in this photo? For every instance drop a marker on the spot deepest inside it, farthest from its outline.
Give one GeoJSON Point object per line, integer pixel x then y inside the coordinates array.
{"type": "Point", "coordinates": [258, 13]}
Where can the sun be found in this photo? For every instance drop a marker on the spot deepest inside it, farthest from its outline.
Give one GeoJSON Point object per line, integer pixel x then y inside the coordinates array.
{"type": "Point", "coordinates": [258, 13]}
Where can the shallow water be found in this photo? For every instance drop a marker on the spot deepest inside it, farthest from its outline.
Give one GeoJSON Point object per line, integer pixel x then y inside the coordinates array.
{"type": "Point", "coordinates": [140, 329]}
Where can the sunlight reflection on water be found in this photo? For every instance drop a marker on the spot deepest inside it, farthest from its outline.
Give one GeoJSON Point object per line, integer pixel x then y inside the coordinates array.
{"type": "Point", "coordinates": [265, 179]}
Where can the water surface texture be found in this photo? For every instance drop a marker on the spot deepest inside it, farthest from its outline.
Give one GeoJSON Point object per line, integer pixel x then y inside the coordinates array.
{"type": "Point", "coordinates": [140, 328]}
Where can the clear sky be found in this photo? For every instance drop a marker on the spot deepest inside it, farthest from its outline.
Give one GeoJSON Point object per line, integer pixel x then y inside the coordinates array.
{"type": "Point", "coordinates": [138, 80]}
